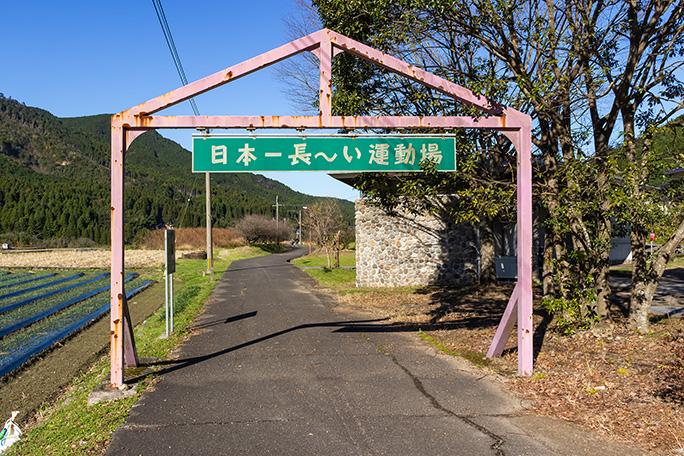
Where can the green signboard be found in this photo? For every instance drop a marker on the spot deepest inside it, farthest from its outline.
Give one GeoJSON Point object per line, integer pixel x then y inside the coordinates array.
{"type": "Point", "coordinates": [341, 153]}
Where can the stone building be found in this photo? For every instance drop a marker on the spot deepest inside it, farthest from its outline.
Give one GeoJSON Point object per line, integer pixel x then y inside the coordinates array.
{"type": "Point", "coordinates": [410, 250]}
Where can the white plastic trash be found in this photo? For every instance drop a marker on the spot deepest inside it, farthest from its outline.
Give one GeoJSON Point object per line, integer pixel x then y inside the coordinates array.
{"type": "Point", "coordinates": [10, 434]}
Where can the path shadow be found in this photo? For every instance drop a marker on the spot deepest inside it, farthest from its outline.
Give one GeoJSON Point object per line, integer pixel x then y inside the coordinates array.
{"type": "Point", "coordinates": [355, 326]}
{"type": "Point", "coordinates": [472, 308]}
{"type": "Point", "coordinates": [222, 321]}
{"type": "Point", "coordinates": [343, 326]}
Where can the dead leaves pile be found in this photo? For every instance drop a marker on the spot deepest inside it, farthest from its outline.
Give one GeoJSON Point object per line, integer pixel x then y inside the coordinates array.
{"type": "Point", "coordinates": [616, 385]}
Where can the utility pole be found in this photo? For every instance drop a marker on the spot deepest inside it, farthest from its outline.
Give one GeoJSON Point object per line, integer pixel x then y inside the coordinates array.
{"type": "Point", "coordinates": [309, 232]}
{"type": "Point", "coordinates": [299, 232]}
{"type": "Point", "coordinates": [277, 223]}
{"type": "Point", "coordinates": [210, 244]}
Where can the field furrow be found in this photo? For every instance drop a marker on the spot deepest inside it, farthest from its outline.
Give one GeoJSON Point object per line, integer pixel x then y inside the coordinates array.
{"type": "Point", "coordinates": [20, 346]}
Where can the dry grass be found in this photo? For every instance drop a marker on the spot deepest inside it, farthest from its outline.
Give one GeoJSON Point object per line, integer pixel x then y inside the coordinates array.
{"type": "Point", "coordinates": [194, 238]}
{"type": "Point", "coordinates": [78, 259]}
{"type": "Point", "coordinates": [101, 259]}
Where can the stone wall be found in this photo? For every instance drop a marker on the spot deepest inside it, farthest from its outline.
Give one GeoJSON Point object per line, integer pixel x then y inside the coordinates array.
{"type": "Point", "coordinates": [410, 250]}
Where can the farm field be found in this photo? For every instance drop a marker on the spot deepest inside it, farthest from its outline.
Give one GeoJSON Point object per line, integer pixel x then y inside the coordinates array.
{"type": "Point", "coordinates": [39, 381]}
{"type": "Point", "coordinates": [33, 388]}
{"type": "Point", "coordinates": [40, 309]}
{"type": "Point", "coordinates": [77, 259]}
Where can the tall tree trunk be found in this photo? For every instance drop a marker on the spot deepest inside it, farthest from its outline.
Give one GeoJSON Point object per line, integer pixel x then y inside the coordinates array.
{"type": "Point", "coordinates": [548, 286]}
{"type": "Point", "coordinates": [487, 253]}
{"type": "Point", "coordinates": [645, 278]}
{"type": "Point", "coordinates": [554, 276]}
{"type": "Point", "coordinates": [643, 283]}
{"type": "Point", "coordinates": [328, 255]}
{"type": "Point", "coordinates": [602, 275]}
{"type": "Point", "coordinates": [553, 242]}
{"type": "Point", "coordinates": [337, 249]}
{"type": "Point", "coordinates": [639, 302]}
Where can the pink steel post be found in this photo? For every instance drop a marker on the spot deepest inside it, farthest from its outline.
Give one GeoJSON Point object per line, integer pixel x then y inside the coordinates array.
{"type": "Point", "coordinates": [522, 294]}
{"type": "Point", "coordinates": [325, 44]}
{"type": "Point", "coordinates": [121, 326]}
{"type": "Point", "coordinates": [117, 288]}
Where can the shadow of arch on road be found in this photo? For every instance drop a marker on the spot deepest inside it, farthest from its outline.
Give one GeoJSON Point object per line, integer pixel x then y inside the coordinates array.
{"type": "Point", "coordinates": [221, 321]}
{"type": "Point", "coordinates": [174, 365]}
{"type": "Point", "coordinates": [356, 326]}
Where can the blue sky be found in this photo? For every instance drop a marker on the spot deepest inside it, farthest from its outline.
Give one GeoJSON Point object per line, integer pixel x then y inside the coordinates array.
{"type": "Point", "coordinates": [81, 58]}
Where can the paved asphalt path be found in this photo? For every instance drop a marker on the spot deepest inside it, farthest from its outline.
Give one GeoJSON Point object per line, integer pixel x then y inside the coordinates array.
{"type": "Point", "coordinates": [668, 298]}
{"type": "Point", "coordinates": [274, 370]}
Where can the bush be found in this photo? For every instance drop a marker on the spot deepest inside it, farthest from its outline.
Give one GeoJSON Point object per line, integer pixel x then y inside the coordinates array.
{"type": "Point", "coordinates": [259, 228]}
{"type": "Point", "coordinates": [18, 239]}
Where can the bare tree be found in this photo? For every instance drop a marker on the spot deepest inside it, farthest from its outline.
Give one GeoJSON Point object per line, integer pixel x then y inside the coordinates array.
{"type": "Point", "coordinates": [301, 71]}
{"type": "Point", "coordinates": [326, 227]}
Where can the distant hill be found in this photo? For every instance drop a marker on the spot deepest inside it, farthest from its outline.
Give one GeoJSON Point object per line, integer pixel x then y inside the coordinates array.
{"type": "Point", "coordinates": [54, 181]}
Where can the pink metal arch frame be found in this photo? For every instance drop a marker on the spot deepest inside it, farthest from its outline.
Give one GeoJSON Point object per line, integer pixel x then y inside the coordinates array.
{"type": "Point", "coordinates": [128, 125]}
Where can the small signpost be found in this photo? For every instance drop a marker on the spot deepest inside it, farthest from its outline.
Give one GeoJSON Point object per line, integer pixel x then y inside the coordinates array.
{"type": "Point", "coordinates": [170, 255]}
{"type": "Point", "coordinates": [386, 153]}
{"type": "Point", "coordinates": [651, 236]}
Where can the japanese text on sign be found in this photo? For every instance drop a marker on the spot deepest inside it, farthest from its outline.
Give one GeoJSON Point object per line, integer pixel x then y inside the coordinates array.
{"type": "Point", "coordinates": [321, 153]}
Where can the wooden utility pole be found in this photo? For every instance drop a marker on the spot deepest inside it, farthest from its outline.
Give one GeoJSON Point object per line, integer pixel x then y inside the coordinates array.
{"type": "Point", "coordinates": [277, 223]}
{"type": "Point", "coordinates": [210, 244]}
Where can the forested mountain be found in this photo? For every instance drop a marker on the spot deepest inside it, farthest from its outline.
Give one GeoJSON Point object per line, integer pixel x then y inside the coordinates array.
{"type": "Point", "coordinates": [54, 181]}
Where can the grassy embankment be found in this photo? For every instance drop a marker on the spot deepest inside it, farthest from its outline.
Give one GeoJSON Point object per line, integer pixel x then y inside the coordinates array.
{"type": "Point", "coordinates": [340, 279]}
{"type": "Point", "coordinates": [625, 270]}
{"type": "Point", "coordinates": [70, 427]}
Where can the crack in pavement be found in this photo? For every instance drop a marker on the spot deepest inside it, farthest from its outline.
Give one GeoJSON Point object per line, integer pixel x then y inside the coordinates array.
{"type": "Point", "coordinates": [498, 440]}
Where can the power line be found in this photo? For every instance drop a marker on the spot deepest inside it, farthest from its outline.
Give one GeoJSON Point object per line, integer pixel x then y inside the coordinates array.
{"type": "Point", "coordinates": [172, 48]}
{"type": "Point", "coordinates": [159, 9]}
